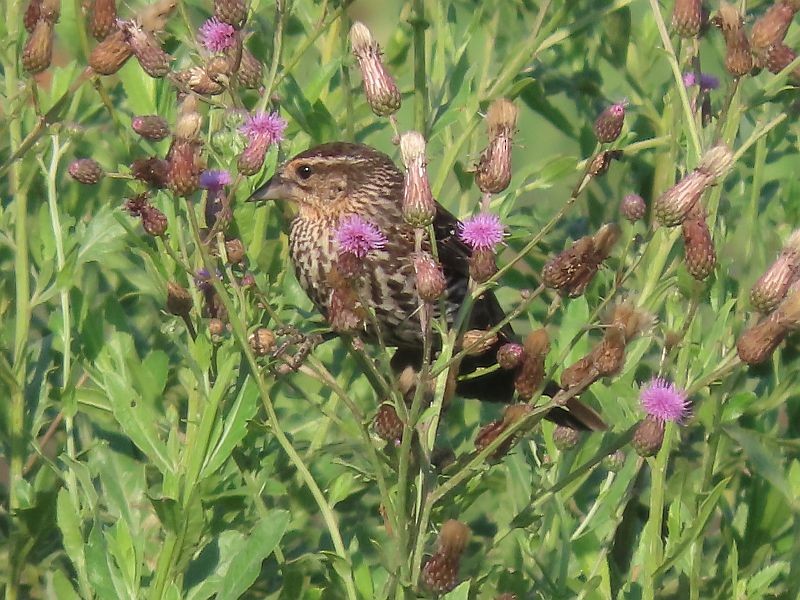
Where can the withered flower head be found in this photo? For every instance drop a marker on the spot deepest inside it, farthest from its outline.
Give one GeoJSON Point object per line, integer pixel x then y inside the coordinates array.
{"type": "Point", "coordinates": [431, 283]}
{"type": "Point", "coordinates": [153, 17]}
{"type": "Point", "coordinates": [251, 71]}
{"type": "Point", "coordinates": [772, 286]}
{"type": "Point", "coordinates": [418, 205]}
{"type": "Point", "coordinates": [608, 124]}
{"type": "Point", "coordinates": [233, 12]}
{"type": "Point", "coordinates": [490, 432]}
{"type": "Point", "coordinates": [493, 171]}
{"type": "Point", "coordinates": [687, 18]}
{"type": "Point", "coordinates": [38, 50]}
{"type": "Point", "coordinates": [757, 343]}
{"type": "Point", "coordinates": [699, 252]}
{"type": "Point", "coordinates": [179, 301]}
{"type": "Point", "coordinates": [771, 28]}
{"type": "Point", "coordinates": [571, 271]}
{"type": "Point", "coordinates": [150, 127]}
{"type": "Point", "coordinates": [109, 55]}
{"type": "Point", "coordinates": [379, 87]}
{"type": "Point", "coordinates": [531, 373]}
{"type": "Point", "coordinates": [738, 60]}
{"type": "Point", "coordinates": [262, 341]}
{"type": "Point", "coordinates": [185, 166]}
{"type": "Point", "coordinates": [565, 438]}
{"type": "Point", "coordinates": [103, 18]}
{"type": "Point", "coordinates": [388, 425]}
{"type": "Point", "coordinates": [648, 437]}
{"type": "Point", "coordinates": [476, 341]}
{"type": "Point", "coordinates": [234, 251]}
{"type": "Point", "coordinates": [153, 171]}
{"type": "Point", "coordinates": [32, 13]}
{"type": "Point", "coordinates": [510, 355]}
{"type": "Point", "coordinates": [780, 56]}
{"type": "Point", "coordinates": [147, 49]}
{"type": "Point", "coordinates": [86, 170]}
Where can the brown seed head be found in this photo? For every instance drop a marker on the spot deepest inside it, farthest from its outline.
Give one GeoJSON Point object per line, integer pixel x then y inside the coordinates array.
{"type": "Point", "coordinates": [50, 10]}
{"type": "Point", "coordinates": [233, 12]}
{"type": "Point", "coordinates": [262, 341]}
{"type": "Point", "coordinates": [189, 120]}
{"type": "Point", "coordinates": [431, 283]}
{"type": "Point", "coordinates": [633, 207]}
{"type": "Point", "coordinates": [388, 425]}
{"type": "Point", "coordinates": [493, 171]}
{"type": "Point", "coordinates": [565, 438]}
{"type": "Point", "coordinates": [771, 28]}
{"type": "Point", "coordinates": [579, 374]}
{"type": "Point", "coordinates": [490, 432]}
{"type": "Point", "coordinates": [86, 170]}
{"type": "Point", "coordinates": [631, 320]}
{"type": "Point", "coordinates": [379, 87]}
{"type": "Point", "coordinates": [602, 162]}
{"type": "Point", "coordinates": [482, 265]}
{"type": "Point", "coordinates": [738, 60]}
{"type": "Point", "coordinates": [699, 253]}
{"type": "Point", "coordinates": [179, 300]}
{"type": "Point", "coordinates": [234, 251]}
{"type": "Point", "coordinates": [648, 437]}
{"type": "Point", "coordinates": [418, 205]}
{"type": "Point", "coordinates": [153, 171]}
{"type": "Point", "coordinates": [216, 327]}
{"type": "Point", "coordinates": [251, 71]}
{"type": "Point", "coordinates": [509, 356]}
{"type": "Point", "coordinates": [453, 538]}
{"type": "Point", "coordinates": [154, 221]}
{"type": "Point", "coordinates": [103, 18]}
{"type": "Point", "coordinates": [772, 286]}
{"type": "Point", "coordinates": [109, 55]}
{"type": "Point", "coordinates": [150, 127]}
{"type": "Point", "coordinates": [38, 50]}
{"type": "Point", "coordinates": [716, 162]}
{"type": "Point", "coordinates": [687, 18]}
{"type": "Point", "coordinates": [219, 69]}
{"type": "Point", "coordinates": [780, 56]}
{"type": "Point", "coordinates": [477, 341]}
{"type": "Point", "coordinates": [185, 166]}
{"type": "Point", "coordinates": [531, 373]}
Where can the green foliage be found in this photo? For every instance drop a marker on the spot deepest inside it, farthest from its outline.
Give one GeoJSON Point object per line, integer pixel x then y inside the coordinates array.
{"type": "Point", "coordinates": [150, 456]}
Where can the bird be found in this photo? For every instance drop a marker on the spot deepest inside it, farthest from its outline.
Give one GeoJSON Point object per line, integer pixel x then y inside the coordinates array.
{"type": "Point", "coordinates": [335, 180]}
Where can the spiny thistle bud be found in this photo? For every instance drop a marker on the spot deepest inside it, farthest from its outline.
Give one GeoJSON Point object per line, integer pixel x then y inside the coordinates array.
{"type": "Point", "coordinates": [154, 221]}
{"type": "Point", "coordinates": [418, 205]}
{"type": "Point", "coordinates": [757, 343]}
{"type": "Point", "coordinates": [103, 18]}
{"type": "Point", "coordinates": [770, 29]}
{"type": "Point", "coordinates": [482, 265]}
{"type": "Point", "coordinates": [687, 18]}
{"type": "Point", "coordinates": [38, 50]}
{"type": "Point", "coordinates": [150, 127]}
{"type": "Point", "coordinates": [493, 171]}
{"type": "Point", "coordinates": [602, 161]}
{"type": "Point", "coordinates": [779, 57]}
{"type": "Point", "coordinates": [615, 461]}
{"type": "Point", "coordinates": [388, 425]}
{"type": "Point", "coordinates": [185, 166]}
{"type": "Point", "coordinates": [571, 271]}
{"type": "Point", "coordinates": [431, 283]}
{"type": "Point", "coordinates": [565, 438]}
{"type": "Point", "coordinates": [262, 341]}
{"type": "Point", "coordinates": [234, 251]}
{"type": "Point", "coordinates": [648, 437]}
{"type": "Point", "coordinates": [251, 71]}
{"type": "Point", "coordinates": [738, 60]}
{"type": "Point", "coordinates": [633, 207]}
{"type": "Point", "coordinates": [252, 158]}
{"type": "Point", "coordinates": [86, 170]}
{"type": "Point", "coordinates": [531, 373]}
{"type": "Point", "coordinates": [379, 87]}
{"type": "Point", "coordinates": [673, 206]}
{"type": "Point", "coordinates": [153, 171]}
{"type": "Point", "coordinates": [490, 432]}
{"type": "Point", "coordinates": [440, 573]}
{"type": "Point", "coordinates": [608, 124]}
{"type": "Point", "coordinates": [476, 341]}
{"type": "Point", "coordinates": [32, 14]}
{"type": "Point", "coordinates": [772, 286]}
{"type": "Point", "coordinates": [109, 55]}
{"type": "Point", "coordinates": [179, 300]}
{"type": "Point", "coordinates": [233, 12]}
{"type": "Point", "coordinates": [509, 356]}
{"type": "Point", "coordinates": [700, 256]}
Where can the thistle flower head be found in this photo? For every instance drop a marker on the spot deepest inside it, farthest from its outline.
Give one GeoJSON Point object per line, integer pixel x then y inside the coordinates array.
{"type": "Point", "coordinates": [482, 232]}
{"type": "Point", "coordinates": [633, 207]}
{"type": "Point", "coordinates": [358, 236]}
{"type": "Point", "coordinates": [705, 81]}
{"type": "Point", "coordinates": [379, 86]}
{"type": "Point", "coordinates": [216, 35]}
{"type": "Point", "coordinates": [269, 126]}
{"type": "Point", "coordinates": [663, 401]}
{"type": "Point", "coordinates": [214, 179]}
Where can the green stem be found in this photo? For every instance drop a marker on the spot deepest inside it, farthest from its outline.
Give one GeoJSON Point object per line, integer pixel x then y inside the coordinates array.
{"type": "Point", "coordinates": [419, 24]}
{"type": "Point", "coordinates": [344, 41]}
{"type": "Point", "coordinates": [240, 333]}
{"type": "Point", "coordinates": [653, 549]}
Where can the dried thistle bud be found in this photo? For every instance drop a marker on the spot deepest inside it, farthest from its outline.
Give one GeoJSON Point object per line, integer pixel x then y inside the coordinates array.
{"type": "Point", "coordinates": [571, 271]}
{"type": "Point", "coordinates": [771, 29]}
{"type": "Point", "coordinates": [86, 170]}
{"type": "Point", "coordinates": [262, 341]}
{"type": "Point", "coordinates": [234, 53]}
{"type": "Point", "coordinates": [179, 300]}
{"type": "Point", "coordinates": [772, 286]}
{"type": "Point", "coordinates": [147, 49]}
{"type": "Point", "coordinates": [379, 87]}
{"type": "Point", "coordinates": [602, 161]}
{"type": "Point", "coordinates": [440, 573]}
{"type": "Point", "coordinates": [631, 320]}
{"type": "Point", "coordinates": [233, 12]}
{"type": "Point", "coordinates": [716, 162]}
{"type": "Point", "coordinates": [510, 356]}
{"type": "Point", "coordinates": [251, 71]}
{"type": "Point", "coordinates": [388, 425]}
{"type": "Point", "coordinates": [154, 221]}
{"type": "Point", "coordinates": [234, 251]}
{"type": "Point", "coordinates": [32, 14]}
{"type": "Point", "coordinates": [579, 374]}
{"type": "Point", "coordinates": [185, 166]}
{"type": "Point", "coordinates": [615, 461]}
{"type": "Point", "coordinates": [431, 283]}
{"type": "Point", "coordinates": [418, 205]}
{"type": "Point", "coordinates": [153, 171]}
{"type": "Point", "coordinates": [189, 120]}
{"type": "Point", "coordinates": [687, 18]}
{"type": "Point", "coordinates": [345, 313]}
{"type": "Point", "coordinates": [565, 438]}
{"type": "Point", "coordinates": [608, 124]}
{"type": "Point", "coordinates": [198, 80]}
{"type": "Point", "coordinates": [493, 171]}
{"type": "Point", "coordinates": [738, 60]}
{"type": "Point", "coordinates": [490, 432]}
{"type": "Point", "coordinates": [476, 341]}
{"type": "Point", "coordinates": [153, 17]}
{"type": "Point", "coordinates": [38, 50]}
{"type": "Point", "coordinates": [219, 69]}
{"type": "Point", "coordinates": [135, 205]}
{"type": "Point", "coordinates": [780, 56]}
{"type": "Point", "coordinates": [757, 343]}
{"type": "Point", "coordinates": [103, 18]}
{"type": "Point", "coordinates": [150, 127]}
{"type": "Point", "coordinates": [482, 265]}
{"type": "Point", "coordinates": [216, 327]}
{"type": "Point", "coordinates": [531, 373]}
{"type": "Point", "coordinates": [648, 437]}
{"type": "Point", "coordinates": [633, 207]}
{"type": "Point", "coordinates": [252, 158]}
{"type": "Point", "coordinates": [50, 10]}
{"type": "Point", "coordinates": [109, 55]}
{"type": "Point", "coordinates": [699, 253]}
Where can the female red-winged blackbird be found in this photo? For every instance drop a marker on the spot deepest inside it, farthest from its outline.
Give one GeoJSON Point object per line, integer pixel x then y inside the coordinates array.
{"type": "Point", "coordinates": [339, 179]}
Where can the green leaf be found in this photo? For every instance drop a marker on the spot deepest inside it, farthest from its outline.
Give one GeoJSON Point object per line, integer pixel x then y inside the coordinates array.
{"type": "Point", "coordinates": [234, 428]}
{"type": "Point", "coordinates": [68, 518]}
{"type": "Point", "coordinates": [764, 456]}
{"type": "Point", "coordinates": [246, 565]}
{"type": "Point", "coordinates": [62, 587]}
{"type": "Point", "coordinates": [140, 89]}
{"type": "Point", "coordinates": [460, 593]}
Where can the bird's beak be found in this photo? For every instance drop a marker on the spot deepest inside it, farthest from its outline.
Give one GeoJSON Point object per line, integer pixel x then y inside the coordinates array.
{"type": "Point", "coordinates": [274, 189]}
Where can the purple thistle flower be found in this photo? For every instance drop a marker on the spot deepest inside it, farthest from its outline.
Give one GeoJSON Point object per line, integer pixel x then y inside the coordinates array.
{"type": "Point", "coordinates": [707, 81]}
{"type": "Point", "coordinates": [482, 232]}
{"type": "Point", "coordinates": [359, 236]}
{"type": "Point", "coordinates": [216, 35]}
{"type": "Point", "coordinates": [264, 126]}
{"type": "Point", "coordinates": [214, 180]}
{"type": "Point", "coordinates": [663, 401]}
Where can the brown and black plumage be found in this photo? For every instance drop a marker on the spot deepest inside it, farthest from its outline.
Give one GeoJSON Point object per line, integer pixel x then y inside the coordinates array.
{"type": "Point", "coordinates": [335, 180]}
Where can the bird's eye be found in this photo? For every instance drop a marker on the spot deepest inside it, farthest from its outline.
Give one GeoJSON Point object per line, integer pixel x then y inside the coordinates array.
{"type": "Point", "coordinates": [304, 171]}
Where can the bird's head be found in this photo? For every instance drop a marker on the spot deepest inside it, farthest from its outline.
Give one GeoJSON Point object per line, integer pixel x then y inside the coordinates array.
{"type": "Point", "coordinates": [333, 179]}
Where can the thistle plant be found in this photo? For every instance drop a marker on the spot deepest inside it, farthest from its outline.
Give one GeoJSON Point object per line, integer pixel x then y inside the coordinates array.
{"type": "Point", "coordinates": [539, 341]}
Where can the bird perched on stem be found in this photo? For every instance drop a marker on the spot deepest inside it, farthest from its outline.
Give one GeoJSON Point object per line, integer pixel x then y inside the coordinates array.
{"type": "Point", "coordinates": [337, 180]}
